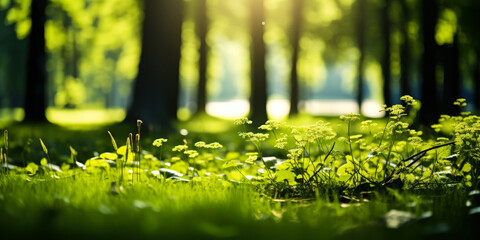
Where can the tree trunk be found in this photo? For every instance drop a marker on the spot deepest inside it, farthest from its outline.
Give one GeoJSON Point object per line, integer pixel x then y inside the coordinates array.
{"type": "Point", "coordinates": [429, 111]}
{"type": "Point", "coordinates": [258, 97]}
{"type": "Point", "coordinates": [156, 90]}
{"type": "Point", "coordinates": [386, 63]}
{"type": "Point", "coordinates": [202, 64]}
{"type": "Point", "coordinates": [451, 81]}
{"type": "Point", "coordinates": [476, 79]}
{"type": "Point", "coordinates": [36, 60]}
{"type": "Point", "coordinates": [295, 38]}
{"type": "Point", "coordinates": [405, 52]}
{"type": "Point", "coordinates": [361, 28]}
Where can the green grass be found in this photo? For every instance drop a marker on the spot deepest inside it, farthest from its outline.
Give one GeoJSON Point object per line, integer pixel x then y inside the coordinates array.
{"type": "Point", "coordinates": [84, 206]}
{"type": "Point", "coordinates": [300, 190]}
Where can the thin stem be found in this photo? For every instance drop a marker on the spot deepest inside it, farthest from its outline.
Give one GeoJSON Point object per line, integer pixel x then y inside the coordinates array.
{"type": "Point", "coordinates": [415, 158]}
{"type": "Point", "coordinates": [241, 172]}
{"type": "Point", "coordinates": [351, 151]}
{"type": "Point", "coordinates": [264, 163]}
{"type": "Point", "coordinates": [324, 159]}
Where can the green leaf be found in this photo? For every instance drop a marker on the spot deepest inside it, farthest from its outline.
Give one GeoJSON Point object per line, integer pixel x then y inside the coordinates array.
{"type": "Point", "coordinates": [288, 175]}
{"type": "Point", "coordinates": [345, 169]}
{"type": "Point", "coordinates": [32, 168]}
{"type": "Point", "coordinates": [410, 177]}
{"type": "Point", "coordinates": [73, 155]}
{"type": "Point", "coordinates": [232, 155]}
{"type": "Point", "coordinates": [65, 167]}
{"type": "Point", "coordinates": [114, 143]}
{"type": "Point", "coordinates": [43, 162]}
{"type": "Point", "coordinates": [97, 163]}
{"type": "Point", "coordinates": [5, 139]}
{"type": "Point", "coordinates": [109, 156]}
{"type": "Point", "coordinates": [231, 164]}
{"type": "Point", "coordinates": [45, 150]}
{"type": "Point", "coordinates": [467, 167]}
{"type": "Point", "coordinates": [122, 150]}
{"type": "Point", "coordinates": [180, 167]}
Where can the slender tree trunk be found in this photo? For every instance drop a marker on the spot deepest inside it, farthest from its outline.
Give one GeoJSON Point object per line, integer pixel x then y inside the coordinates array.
{"type": "Point", "coordinates": [429, 111]}
{"type": "Point", "coordinates": [405, 52]}
{"type": "Point", "coordinates": [476, 79]}
{"type": "Point", "coordinates": [202, 64]}
{"type": "Point", "coordinates": [361, 28]}
{"type": "Point", "coordinates": [258, 97]}
{"type": "Point", "coordinates": [155, 95]}
{"type": "Point", "coordinates": [36, 60]}
{"type": "Point", "coordinates": [451, 81]}
{"type": "Point", "coordinates": [386, 63]}
{"type": "Point", "coordinates": [295, 38]}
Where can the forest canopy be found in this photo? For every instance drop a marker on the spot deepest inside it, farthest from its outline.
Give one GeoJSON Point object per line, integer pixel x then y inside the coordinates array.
{"type": "Point", "coordinates": [321, 57]}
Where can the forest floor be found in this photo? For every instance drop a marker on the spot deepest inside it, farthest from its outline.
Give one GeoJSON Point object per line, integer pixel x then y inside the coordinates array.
{"type": "Point", "coordinates": [77, 203]}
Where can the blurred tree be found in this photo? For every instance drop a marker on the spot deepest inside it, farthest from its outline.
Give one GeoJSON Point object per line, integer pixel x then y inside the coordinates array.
{"type": "Point", "coordinates": [202, 28]}
{"type": "Point", "coordinates": [155, 95]}
{"type": "Point", "coordinates": [258, 97]}
{"type": "Point", "coordinates": [404, 50]}
{"type": "Point", "coordinates": [360, 31]}
{"type": "Point", "coordinates": [468, 20]}
{"type": "Point", "coordinates": [294, 40]}
{"type": "Point", "coordinates": [386, 62]}
{"type": "Point", "coordinates": [94, 44]}
{"type": "Point", "coordinates": [451, 77]}
{"type": "Point", "coordinates": [14, 47]}
{"type": "Point", "coordinates": [446, 36]}
{"type": "Point", "coordinates": [36, 73]}
{"type": "Point", "coordinates": [428, 96]}
{"type": "Point", "coordinates": [70, 60]}
{"type": "Point", "coordinates": [476, 79]}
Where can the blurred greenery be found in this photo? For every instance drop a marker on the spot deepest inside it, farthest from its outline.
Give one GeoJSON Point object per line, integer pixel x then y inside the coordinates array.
{"type": "Point", "coordinates": [93, 50]}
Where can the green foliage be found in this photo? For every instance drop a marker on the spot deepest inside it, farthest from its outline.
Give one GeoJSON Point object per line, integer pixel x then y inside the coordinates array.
{"type": "Point", "coordinates": [88, 42]}
{"type": "Point", "coordinates": [466, 135]}
{"type": "Point", "coordinates": [318, 176]}
{"type": "Point", "coordinates": [394, 155]}
{"type": "Point", "coordinates": [300, 160]}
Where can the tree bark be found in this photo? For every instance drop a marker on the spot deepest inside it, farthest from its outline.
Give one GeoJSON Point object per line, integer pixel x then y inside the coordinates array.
{"type": "Point", "coordinates": [429, 110]}
{"type": "Point", "coordinates": [295, 38]}
{"type": "Point", "coordinates": [386, 63]}
{"type": "Point", "coordinates": [451, 81]}
{"type": "Point", "coordinates": [258, 97]}
{"type": "Point", "coordinates": [202, 64]}
{"type": "Point", "coordinates": [156, 89]}
{"type": "Point", "coordinates": [36, 73]}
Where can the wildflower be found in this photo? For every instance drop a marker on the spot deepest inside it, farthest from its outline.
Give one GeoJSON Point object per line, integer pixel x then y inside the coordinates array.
{"type": "Point", "coordinates": [442, 139]}
{"type": "Point", "coordinates": [191, 153]}
{"type": "Point", "coordinates": [396, 111]}
{"type": "Point", "coordinates": [281, 142]}
{"type": "Point", "coordinates": [461, 102]}
{"type": "Point", "coordinates": [295, 153]}
{"type": "Point", "coordinates": [200, 144]}
{"type": "Point", "coordinates": [159, 142]}
{"type": "Point", "coordinates": [254, 137]}
{"type": "Point", "coordinates": [350, 117]}
{"type": "Point", "coordinates": [214, 145]}
{"type": "Point", "coordinates": [252, 157]}
{"type": "Point", "coordinates": [270, 125]}
{"type": "Point", "coordinates": [437, 127]}
{"type": "Point", "coordinates": [180, 148]}
{"type": "Point", "coordinates": [242, 121]}
{"type": "Point", "coordinates": [409, 100]}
